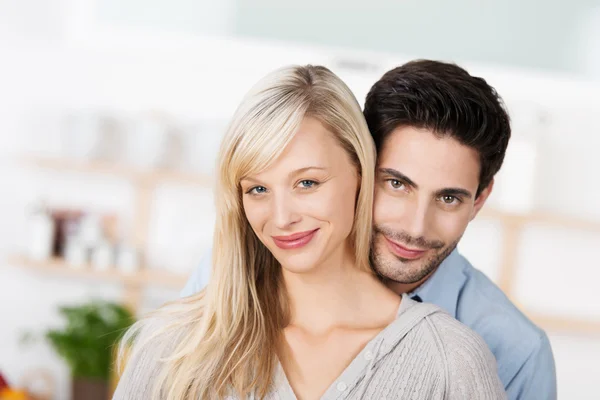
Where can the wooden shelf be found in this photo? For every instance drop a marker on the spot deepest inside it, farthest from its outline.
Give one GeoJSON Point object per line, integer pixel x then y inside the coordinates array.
{"type": "Point", "coordinates": [127, 172]}
{"type": "Point", "coordinates": [556, 324]}
{"type": "Point", "coordinates": [543, 218]}
{"type": "Point", "coordinates": [144, 183]}
{"type": "Point", "coordinates": [143, 277]}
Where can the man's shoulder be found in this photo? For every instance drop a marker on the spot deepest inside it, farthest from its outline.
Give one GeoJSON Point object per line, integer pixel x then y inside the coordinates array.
{"type": "Point", "coordinates": [482, 305]}
{"type": "Point", "coordinates": [509, 333]}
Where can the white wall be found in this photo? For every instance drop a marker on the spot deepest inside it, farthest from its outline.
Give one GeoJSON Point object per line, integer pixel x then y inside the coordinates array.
{"type": "Point", "coordinates": [527, 33]}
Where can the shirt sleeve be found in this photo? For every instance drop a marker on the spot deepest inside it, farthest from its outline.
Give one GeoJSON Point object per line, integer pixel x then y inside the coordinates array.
{"type": "Point", "coordinates": [536, 379]}
{"type": "Point", "coordinates": [200, 276]}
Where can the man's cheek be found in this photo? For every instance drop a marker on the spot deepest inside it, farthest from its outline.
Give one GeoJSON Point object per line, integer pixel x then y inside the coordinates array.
{"type": "Point", "coordinates": [449, 229]}
{"type": "Point", "coordinates": [383, 210]}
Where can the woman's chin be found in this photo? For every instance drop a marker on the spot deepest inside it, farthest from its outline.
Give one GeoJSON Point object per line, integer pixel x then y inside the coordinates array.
{"type": "Point", "coordinates": [300, 265]}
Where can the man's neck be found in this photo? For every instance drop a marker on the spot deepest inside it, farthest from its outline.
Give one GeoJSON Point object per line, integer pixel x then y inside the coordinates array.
{"type": "Point", "coordinates": [401, 288]}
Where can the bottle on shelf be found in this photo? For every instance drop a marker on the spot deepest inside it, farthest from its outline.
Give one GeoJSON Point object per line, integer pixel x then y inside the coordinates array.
{"type": "Point", "coordinates": [42, 232]}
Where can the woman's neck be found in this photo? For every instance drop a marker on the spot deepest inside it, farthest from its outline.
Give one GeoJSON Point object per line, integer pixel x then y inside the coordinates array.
{"type": "Point", "coordinates": [334, 294]}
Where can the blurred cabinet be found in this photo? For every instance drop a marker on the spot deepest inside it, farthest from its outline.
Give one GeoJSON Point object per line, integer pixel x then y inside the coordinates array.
{"type": "Point", "coordinates": [144, 183]}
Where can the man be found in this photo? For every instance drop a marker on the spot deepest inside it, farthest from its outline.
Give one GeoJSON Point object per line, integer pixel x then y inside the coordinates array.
{"type": "Point", "coordinates": [441, 135]}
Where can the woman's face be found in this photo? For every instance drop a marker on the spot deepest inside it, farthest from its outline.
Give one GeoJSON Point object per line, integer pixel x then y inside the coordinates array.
{"type": "Point", "coordinates": [302, 206]}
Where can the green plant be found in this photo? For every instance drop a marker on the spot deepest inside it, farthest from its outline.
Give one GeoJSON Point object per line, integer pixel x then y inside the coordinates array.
{"type": "Point", "coordinates": [88, 339]}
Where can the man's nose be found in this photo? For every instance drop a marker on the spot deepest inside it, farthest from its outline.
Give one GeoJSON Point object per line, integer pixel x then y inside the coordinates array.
{"type": "Point", "coordinates": [416, 218]}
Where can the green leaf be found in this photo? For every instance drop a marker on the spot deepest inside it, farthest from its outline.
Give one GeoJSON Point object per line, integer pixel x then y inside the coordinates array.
{"type": "Point", "coordinates": [89, 335]}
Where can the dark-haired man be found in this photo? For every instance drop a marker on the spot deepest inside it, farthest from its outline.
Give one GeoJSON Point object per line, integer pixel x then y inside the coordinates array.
{"type": "Point", "coordinates": [441, 135]}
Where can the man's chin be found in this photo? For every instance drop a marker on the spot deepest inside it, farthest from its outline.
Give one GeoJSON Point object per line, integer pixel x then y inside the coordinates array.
{"type": "Point", "coordinates": [412, 277]}
{"type": "Point", "coordinates": [408, 261]}
{"type": "Point", "coordinates": [405, 271]}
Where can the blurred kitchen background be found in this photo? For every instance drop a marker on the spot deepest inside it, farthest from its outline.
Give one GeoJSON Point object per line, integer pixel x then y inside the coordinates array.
{"type": "Point", "coordinates": [111, 112]}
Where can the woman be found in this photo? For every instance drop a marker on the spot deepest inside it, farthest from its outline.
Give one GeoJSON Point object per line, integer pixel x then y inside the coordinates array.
{"type": "Point", "coordinates": [293, 309]}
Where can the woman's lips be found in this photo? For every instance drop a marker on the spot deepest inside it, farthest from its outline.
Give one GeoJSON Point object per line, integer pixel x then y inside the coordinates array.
{"type": "Point", "coordinates": [294, 241]}
{"type": "Point", "coordinates": [404, 252]}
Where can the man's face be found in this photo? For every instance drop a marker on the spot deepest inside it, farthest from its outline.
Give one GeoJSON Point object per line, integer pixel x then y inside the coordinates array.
{"type": "Point", "coordinates": [424, 199]}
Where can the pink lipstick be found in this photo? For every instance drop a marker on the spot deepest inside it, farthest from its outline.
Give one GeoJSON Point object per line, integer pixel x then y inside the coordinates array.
{"type": "Point", "coordinates": [294, 241]}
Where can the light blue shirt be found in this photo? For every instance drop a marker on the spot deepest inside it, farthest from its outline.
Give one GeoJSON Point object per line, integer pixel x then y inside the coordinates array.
{"type": "Point", "coordinates": [522, 350]}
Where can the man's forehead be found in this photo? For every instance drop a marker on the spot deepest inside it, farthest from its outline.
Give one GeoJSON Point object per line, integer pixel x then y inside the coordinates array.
{"type": "Point", "coordinates": [430, 160]}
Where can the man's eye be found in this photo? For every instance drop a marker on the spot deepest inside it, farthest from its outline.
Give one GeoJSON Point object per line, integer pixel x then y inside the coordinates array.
{"type": "Point", "coordinates": [450, 200]}
{"type": "Point", "coordinates": [396, 184]}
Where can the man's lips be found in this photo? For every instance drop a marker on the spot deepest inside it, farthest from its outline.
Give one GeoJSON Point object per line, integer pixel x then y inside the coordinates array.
{"type": "Point", "coordinates": [295, 240]}
{"type": "Point", "coordinates": [404, 252]}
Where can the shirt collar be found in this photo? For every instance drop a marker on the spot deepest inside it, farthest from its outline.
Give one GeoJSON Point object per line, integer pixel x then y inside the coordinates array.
{"type": "Point", "coordinates": [444, 286]}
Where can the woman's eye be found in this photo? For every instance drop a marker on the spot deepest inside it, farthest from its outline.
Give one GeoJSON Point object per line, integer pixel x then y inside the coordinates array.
{"type": "Point", "coordinates": [307, 184]}
{"type": "Point", "coordinates": [257, 190]}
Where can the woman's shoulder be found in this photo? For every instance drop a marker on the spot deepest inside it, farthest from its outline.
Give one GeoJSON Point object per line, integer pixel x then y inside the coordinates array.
{"type": "Point", "coordinates": [447, 334]}
{"type": "Point", "coordinates": [146, 347]}
{"type": "Point", "coordinates": [464, 359]}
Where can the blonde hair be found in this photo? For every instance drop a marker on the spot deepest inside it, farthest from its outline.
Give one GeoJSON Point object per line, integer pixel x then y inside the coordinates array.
{"type": "Point", "coordinates": [222, 340]}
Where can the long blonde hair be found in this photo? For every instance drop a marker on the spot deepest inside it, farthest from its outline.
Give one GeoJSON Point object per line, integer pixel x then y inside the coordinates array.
{"type": "Point", "coordinates": [222, 340]}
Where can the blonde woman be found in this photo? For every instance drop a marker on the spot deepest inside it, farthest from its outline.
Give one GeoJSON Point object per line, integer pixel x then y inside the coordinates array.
{"type": "Point", "coordinates": [293, 309]}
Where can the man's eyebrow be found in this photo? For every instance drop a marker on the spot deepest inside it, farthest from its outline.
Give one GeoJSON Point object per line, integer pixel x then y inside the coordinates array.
{"type": "Point", "coordinates": [398, 175]}
{"type": "Point", "coordinates": [451, 191]}
{"type": "Point", "coordinates": [456, 192]}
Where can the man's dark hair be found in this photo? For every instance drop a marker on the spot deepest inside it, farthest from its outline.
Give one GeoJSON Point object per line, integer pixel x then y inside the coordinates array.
{"type": "Point", "coordinates": [447, 100]}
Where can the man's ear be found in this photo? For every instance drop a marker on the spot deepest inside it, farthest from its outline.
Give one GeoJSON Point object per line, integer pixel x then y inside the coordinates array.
{"type": "Point", "coordinates": [481, 199]}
